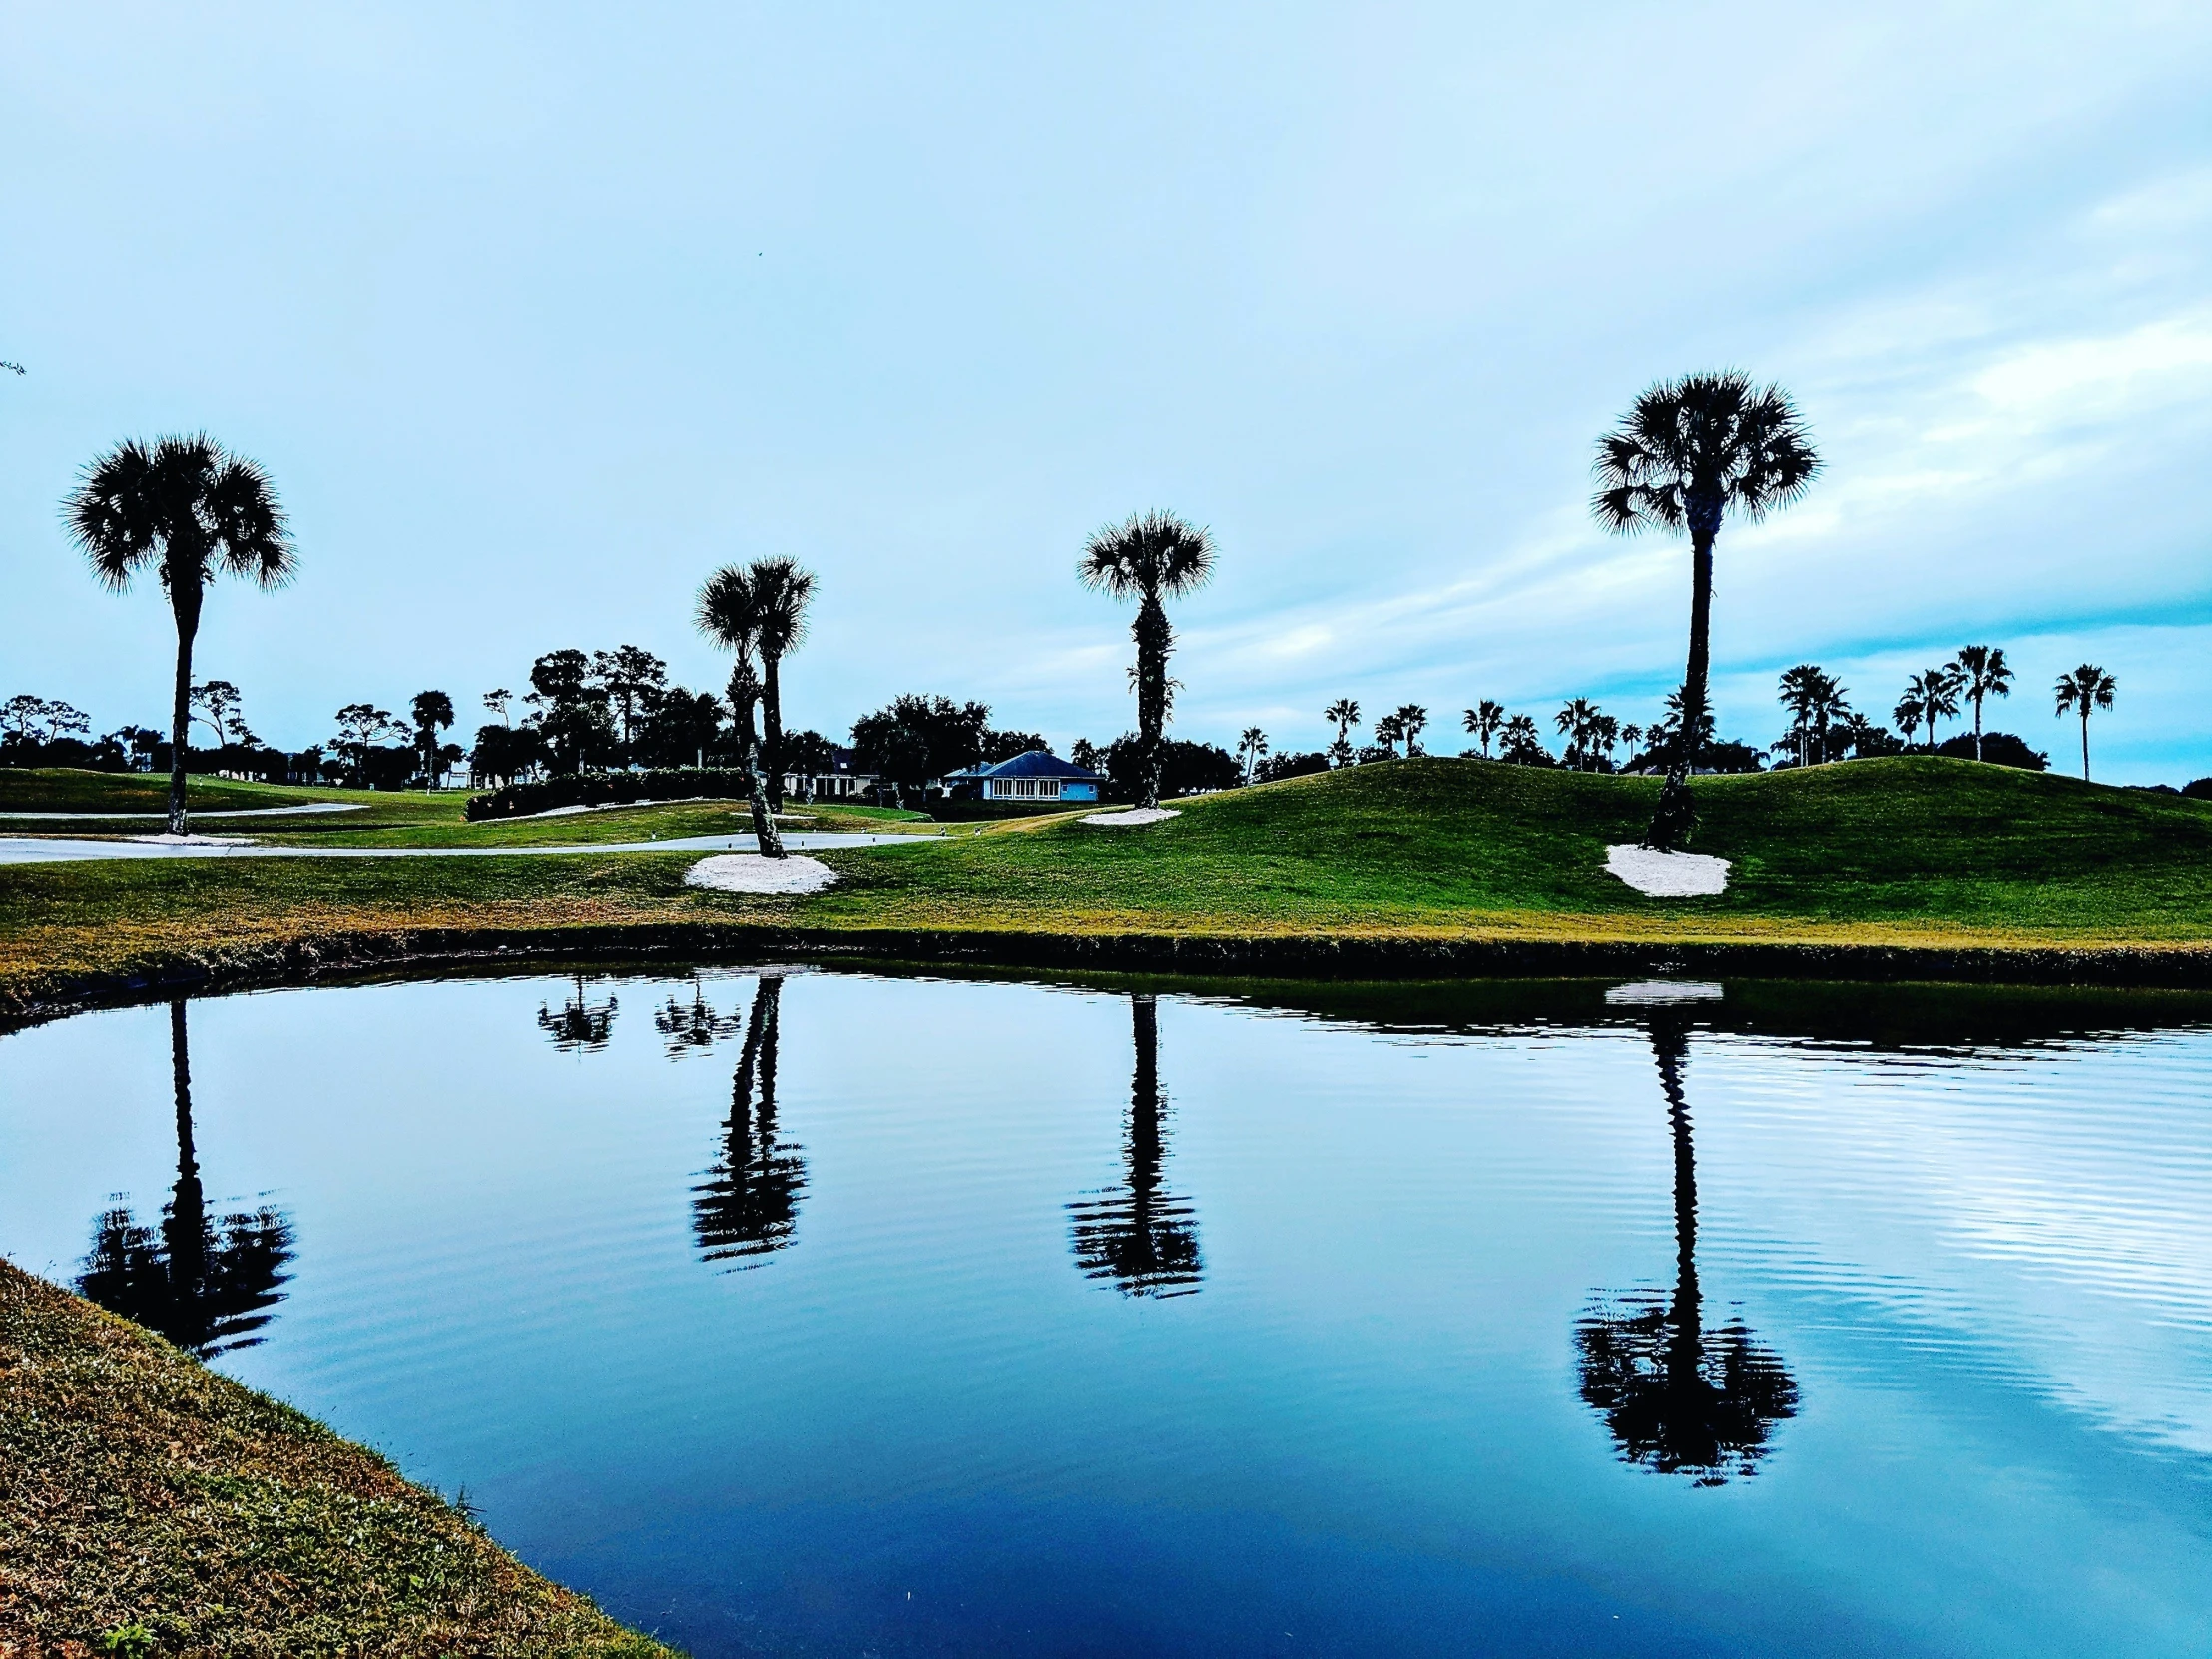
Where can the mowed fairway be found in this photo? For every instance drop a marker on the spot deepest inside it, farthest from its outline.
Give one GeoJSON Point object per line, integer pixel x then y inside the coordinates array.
{"type": "Point", "coordinates": [1898, 854]}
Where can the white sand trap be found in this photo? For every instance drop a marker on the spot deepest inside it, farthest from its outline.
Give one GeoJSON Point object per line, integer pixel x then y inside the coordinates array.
{"type": "Point", "coordinates": [1668, 874]}
{"type": "Point", "coordinates": [750, 873]}
{"type": "Point", "coordinates": [1134, 817]}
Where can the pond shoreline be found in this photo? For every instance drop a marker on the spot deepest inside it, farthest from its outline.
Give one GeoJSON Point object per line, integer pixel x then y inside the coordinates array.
{"type": "Point", "coordinates": [308, 958]}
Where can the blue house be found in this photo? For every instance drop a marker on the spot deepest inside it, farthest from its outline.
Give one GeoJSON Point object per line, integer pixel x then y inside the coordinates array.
{"type": "Point", "coordinates": [1036, 776]}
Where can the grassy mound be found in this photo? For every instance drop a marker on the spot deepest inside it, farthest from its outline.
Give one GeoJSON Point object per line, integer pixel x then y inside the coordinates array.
{"type": "Point", "coordinates": [149, 1506]}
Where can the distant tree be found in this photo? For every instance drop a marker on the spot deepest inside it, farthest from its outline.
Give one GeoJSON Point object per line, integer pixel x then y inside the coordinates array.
{"type": "Point", "coordinates": [217, 703]}
{"type": "Point", "coordinates": [1911, 712]}
{"type": "Point", "coordinates": [498, 702]}
{"type": "Point", "coordinates": [362, 727]}
{"type": "Point", "coordinates": [1410, 718]}
{"type": "Point", "coordinates": [2087, 686]}
{"type": "Point", "coordinates": [2000, 749]}
{"type": "Point", "coordinates": [1981, 672]}
{"type": "Point", "coordinates": [433, 711]}
{"type": "Point", "coordinates": [1345, 715]}
{"type": "Point", "coordinates": [1186, 768]}
{"type": "Point", "coordinates": [1522, 743]}
{"type": "Point", "coordinates": [1928, 696]}
{"type": "Point", "coordinates": [631, 676]}
{"type": "Point", "coordinates": [806, 756]}
{"type": "Point", "coordinates": [1275, 768]}
{"type": "Point", "coordinates": [1086, 753]}
{"type": "Point", "coordinates": [505, 753]}
{"type": "Point", "coordinates": [188, 509]}
{"type": "Point", "coordinates": [1151, 557]}
{"type": "Point", "coordinates": [1687, 452]}
{"type": "Point", "coordinates": [572, 709]}
{"type": "Point", "coordinates": [1631, 736]}
{"type": "Point", "coordinates": [729, 613]}
{"type": "Point", "coordinates": [1484, 721]}
{"type": "Point", "coordinates": [1604, 736]}
{"type": "Point", "coordinates": [1575, 722]}
{"type": "Point", "coordinates": [1249, 748]}
{"type": "Point", "coordinates": [783, 589]}
{"type": "Point", "coordinates": [914, 739]}
{"type": "Point", "coordinates": [1815, 702]}
{"type": "Point", "coordinates": [1389, 730]}
{"type": "Point", "coordinates": [992, 746]}
{"type": "Point", "coordinates": [679, 730]}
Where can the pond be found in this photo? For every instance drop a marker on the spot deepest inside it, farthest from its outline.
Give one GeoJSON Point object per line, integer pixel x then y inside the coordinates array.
{"type": "Point", "coordinates": [840, 1313]}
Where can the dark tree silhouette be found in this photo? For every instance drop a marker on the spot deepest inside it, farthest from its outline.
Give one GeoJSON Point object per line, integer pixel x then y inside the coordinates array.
{"type": "Point", "coordinates": [1687, 452]}
{"type": "Point", "coordinates": [579, 1026]}
{"type": "Point", "coordinates": [207, 1282]}
{"type": "Point", "coordinates": [1680, 1397]}
{"type": "Point", "coordinates": [1144, 1238]}
{"type": "Point", "coordinates": [2087, 686]}
{"type": "Point", "coordinates": [748, 1207]}
{"type": "Point", "coordinates": [190, 510]}
{"type": "Point", "coordinates": [731, 612]}
{"type": "Point", "coordinates": [1150, 557]}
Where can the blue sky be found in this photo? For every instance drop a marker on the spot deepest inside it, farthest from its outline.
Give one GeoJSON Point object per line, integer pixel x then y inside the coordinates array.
{"type": "Point", "coordinates": [538, 313]}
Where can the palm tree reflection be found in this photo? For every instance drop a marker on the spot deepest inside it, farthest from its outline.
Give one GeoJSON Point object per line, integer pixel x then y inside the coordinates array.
{"type": "Point", "coordinates": [747, 1206]}
{"type": "Point", "coordinates": [579, 1026]}
{"type": "Point", "coordinates": [693, 1027]}
{"type": "Point", "coordinates": [206, 1282]}
{"type": "Point", "coordinates": [1678, 1397]}
{"type": "Point", "coordinates": [1144, 1239]}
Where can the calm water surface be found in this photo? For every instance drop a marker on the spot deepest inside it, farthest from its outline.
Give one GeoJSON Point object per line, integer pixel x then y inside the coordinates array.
{"type": "Point", "coordinates": [833, 1313]}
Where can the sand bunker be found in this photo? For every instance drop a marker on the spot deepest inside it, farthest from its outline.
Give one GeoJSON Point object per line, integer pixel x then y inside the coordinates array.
{"type": "Point", "coordinates": [1668, 874]}
{"type": "Point", "coordinates": [1132, 817]}
{"type": "Point", "coordinates": [750, 873]}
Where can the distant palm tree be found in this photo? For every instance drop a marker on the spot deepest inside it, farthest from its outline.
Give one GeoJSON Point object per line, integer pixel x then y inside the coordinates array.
{"type": "Point", "coordinates": [1249, 748]}
{"type": "Point", "coordinates": [431, 709]}
{"type": "Point", "coordinates": [1573, 722]}
{"type": "Point", "coordinates": [1796, 693]}
{"type": "Point", "coordinates": [1521, 737]}
{"type": "Point", "coordinates": [728, 613]}
{"type": "Point", "coordinates": [1604, 736]}
{"type": "Point", "coordinates": [1151, 557]}
{"type": "Point", "coordinates": [1981, 672]}
{"type": "Point", "coordinates": [1910, 709]}
{"type": "Point", "coordinates": [1387, 730]}
{"type": "Point", "coordinates": [1632, 734]}
{"type": "Point", "coordinates": [1930, 695]}
{"type": "Point", "coordinates": [2087, 686]}
{"type": "Point", "coordinates": [188, 509]}
{"type": "Point", "coordinates": [1410, 718]}
{"type": "Point", "coordinates": [1483, 721]}
{"type": "Point", "coordinates": [1345, 714]}
{"type": "Point", "coordinates": [782, 589]}
{"type": "Point", "coordinates": [1689, 451]}
{"type": "Point", "coordinates": [1829, 706]}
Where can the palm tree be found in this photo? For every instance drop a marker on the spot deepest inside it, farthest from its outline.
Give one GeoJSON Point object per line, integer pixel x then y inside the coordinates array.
{"type": "Point", "coordinates": [1573, 721]}
{"type": "Point", "coordinates": [1141, 1237]}
{"type": "Point", "coordinates": [1678, 1397]}
{"type": "Point", "coordinates": [1521, 736]}
{"type": "Point", "coordinates": [1796, 691]}
{"type": "Point", "coordinates": [2087, 686]}
{"type": "Point", "coordinates": [748, 1207]}
{"type": "Point", "coordinates": [1345, 714]}
{"type": "Point", "coordinates": [206, 1282]}
{"type": "Point", "coordinates": [728, 613]}
{"type": "Point", "coordinates": [1632, 734]}
{"type": "Point", "coordinates": [1483, 723]}
{"type": "Point", "coordinates": [431, 709]}
{"type": "Point", "coordinates": [1927, 696]}
{"type": "Point", "coordinates": [188, 509]}
{"type": "Point", "coordinates": [1249, 748]}
{"type": "Point", "coordinates": [1605, 733]}
{"type": "Point", "coordinates": [1151, 557]}
{"type": "Point", "coordinates": [1410, 718]}
{"type": "Point", "coordinates": [1828, 706]}
{"type": "Point", "coordinates": [782, 589]}
{"type": "Point", "coordinates": [1981, 672]}
{"type": "Point", "coordinates": [1687, 452]}
{"type": "Point", "coordinates": [1387, 730]}
{"type": "Point", "coordinates": [1910, 711]}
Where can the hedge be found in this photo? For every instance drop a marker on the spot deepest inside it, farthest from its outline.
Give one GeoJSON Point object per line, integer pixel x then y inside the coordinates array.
{"type": "Point", "coordinates": [600, 789]}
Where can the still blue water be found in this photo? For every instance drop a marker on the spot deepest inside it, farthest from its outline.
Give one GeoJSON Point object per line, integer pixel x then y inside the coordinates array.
{"type": "Point", "coordinates": [837, 1314]}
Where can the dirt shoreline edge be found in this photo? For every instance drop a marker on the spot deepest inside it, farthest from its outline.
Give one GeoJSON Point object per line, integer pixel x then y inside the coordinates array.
{"type": "Point", "coordinates": [306, 960]}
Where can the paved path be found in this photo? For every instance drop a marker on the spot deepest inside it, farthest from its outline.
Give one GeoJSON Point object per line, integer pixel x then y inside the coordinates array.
{"type": "Point", "coordinates": [23, 849]}
{"type": "Point", "coordinates": [160, 814]}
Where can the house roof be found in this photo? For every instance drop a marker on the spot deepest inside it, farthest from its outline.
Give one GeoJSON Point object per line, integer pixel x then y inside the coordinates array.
{"type": "Point", "coordinates": [1037, 763]}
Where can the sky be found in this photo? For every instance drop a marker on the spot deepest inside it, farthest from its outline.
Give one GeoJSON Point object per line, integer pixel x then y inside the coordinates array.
{"type": "Point", "coordinates": [536, 314]}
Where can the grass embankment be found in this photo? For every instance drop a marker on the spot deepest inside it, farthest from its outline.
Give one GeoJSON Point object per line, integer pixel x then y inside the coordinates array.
{"type": "Point", "coordinates": [1882, 866]}
{"type": "Point", "coordinates": [113, 806]}
{"type": "Point", "coordinates": [149, 1506]}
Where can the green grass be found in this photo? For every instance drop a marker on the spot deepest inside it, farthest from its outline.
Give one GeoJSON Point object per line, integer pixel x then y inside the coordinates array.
{"type": "Point", "coordinates": [1912, 854]}
{"type": "Point", "coordinates": [141, 1491]}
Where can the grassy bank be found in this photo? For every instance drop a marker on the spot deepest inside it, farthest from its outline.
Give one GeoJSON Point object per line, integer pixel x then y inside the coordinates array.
{"type": "Point", "coordinates": [1909, 865]}
{"type": "Point", "coordinates": [150, 1507]}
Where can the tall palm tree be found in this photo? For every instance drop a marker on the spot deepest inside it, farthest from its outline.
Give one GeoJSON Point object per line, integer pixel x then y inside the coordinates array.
{"type": "Point", "coordinates": [1829, 706]}
{"type": "Point", "coordinates": [190, 510]}
{"type": "Point", "coordinates": [207, 1282]}
{"type": "Point", "coordinates": [1573, 721]}
{"type": "Point", "coordinates": [1910, 709]}
{"type": "Point", "coordinates": [1689, 452]}
{"type": "Point", "coordinates": [1680, 1397]}
{"type": "Point", "coordinates": [1410, 718]}
{"type": "Point", "coordinates": [1345, 714]}
{"type": "Point", "coordinates": [1249, 748]}
{"type": "Point", "coordinates": [1797, 691]}
{"type": "Point", "coordinates": [728, 613]}
{"type": "Point", "coordinates": [782, 590]}
{"type": "Point", "coordinates": [1521, 736]}
{"type": "Point", "coordinates": [1483, 721]}
{"type": "Point", "coordinates": [2087, 686]}
{"type": "Point", "coordinates": [1137, 1234]}
{"type": "Point", "coordinates": [1151, 557]}
{"type": "Point", "coordinates": [1981, 672]}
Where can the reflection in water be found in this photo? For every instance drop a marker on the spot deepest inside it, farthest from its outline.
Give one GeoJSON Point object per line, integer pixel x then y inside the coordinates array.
{"type": "Point", "coordinates": [1678, 1397]}
{"type": "Point", "coordinates": [694, 1026]}
{"type": "Point", "coordinates": [206, 1282]}
{"type": "Point", "coordinates": [579, 1026]}
{"type": "Point", "coordinates": [1143, 1239]}
{"type": "Point", "coordinates": [748, 1204]}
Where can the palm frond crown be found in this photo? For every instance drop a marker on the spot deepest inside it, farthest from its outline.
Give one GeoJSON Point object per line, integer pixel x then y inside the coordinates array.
{"type": "Point", "coordinates": [184, 505]}
{"type": "Point", "coordinates": [1709, 442]}
{"type": "Point", "coordinates": [728, 610]}
{"type": "Point", "coordinates": [781, 588]}
{"type": "Point", "coordinates": [1150, 555]}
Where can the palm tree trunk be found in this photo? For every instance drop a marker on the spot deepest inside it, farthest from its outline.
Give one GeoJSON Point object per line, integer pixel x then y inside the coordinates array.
{"type": "Point", "coordinates": [2085, 743]}
{"type": "Point", "coordinates": [1154, 636]}
{"type": "Point", "coordinates": [180, 717]}
{"type": "Point", "coordinates": [1675, 819]}
{"type": "Point", "coordinates": [743, 692]}
{"type": "Point", "coordinates": [1978, 725]}
{"type": "Point", "coordinates": [772, 722]}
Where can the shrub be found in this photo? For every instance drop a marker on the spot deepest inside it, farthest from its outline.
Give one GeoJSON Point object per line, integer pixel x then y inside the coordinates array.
{"type": "Point", "coordinates": [603, 788]}
{"type": "Point", "coordinates": [1276, 766]}
{"type": "Point", "coordinates": [2198, 790]}
{"type": "Point", "coordinates": [1998, 749]}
